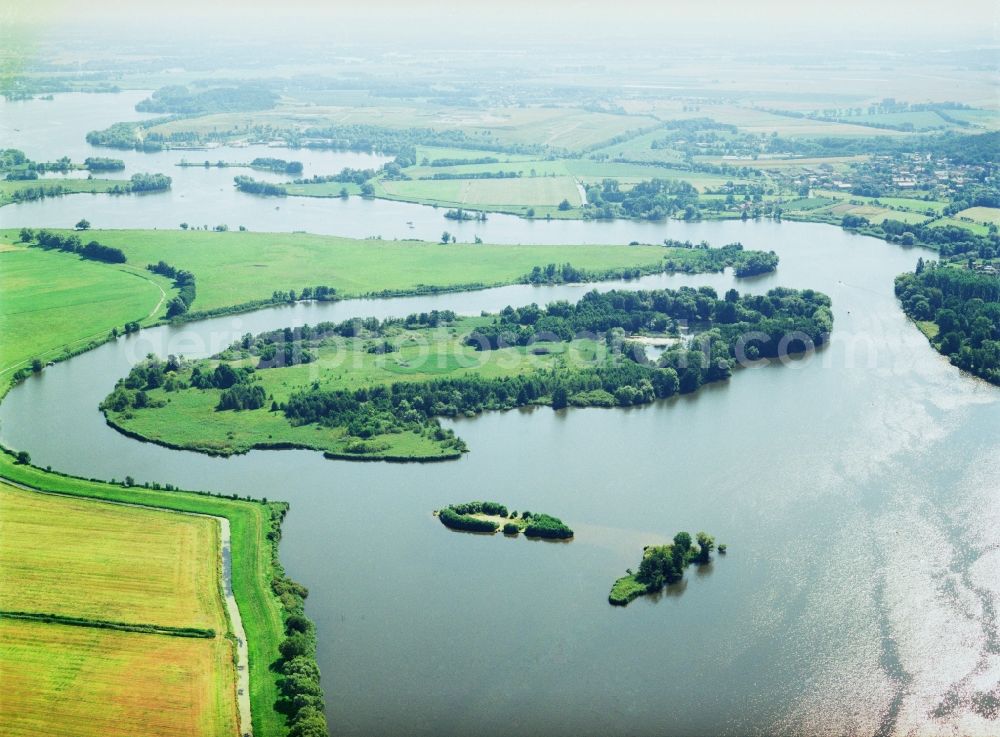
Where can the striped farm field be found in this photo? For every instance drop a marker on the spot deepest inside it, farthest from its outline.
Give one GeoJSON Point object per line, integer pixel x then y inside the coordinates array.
{"type": "Point", "coordinates": [80, 558]}
{"type": "Point", "coordinates": [67, 681]}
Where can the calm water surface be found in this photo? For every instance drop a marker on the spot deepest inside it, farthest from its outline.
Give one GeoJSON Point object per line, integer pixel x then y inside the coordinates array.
{"type": "Point", "coordinates": [857, 490]}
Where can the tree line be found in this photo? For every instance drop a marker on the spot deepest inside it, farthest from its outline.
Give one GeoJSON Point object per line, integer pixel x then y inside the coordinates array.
{"type": "Point", "coordinates": [277, 165]}
{"type": "Point", "coordinates": [256, 186]}
{"type": "Point", "coordinates": [184, 282]}
{"type": "Point", "coordinates": [72, 244]}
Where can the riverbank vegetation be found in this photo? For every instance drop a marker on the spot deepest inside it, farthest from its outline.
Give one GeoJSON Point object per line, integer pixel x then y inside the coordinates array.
{"type": "Point", "coordinates": [490, 517]}
{"type": "Point", "coordinates": [963, 306]}
{"type": "Point", "coordinates": [367, 389]}
{"type": "Point", "coordinates": [663, 565]}
{"type": "Point", "coordinates": [271, 604]}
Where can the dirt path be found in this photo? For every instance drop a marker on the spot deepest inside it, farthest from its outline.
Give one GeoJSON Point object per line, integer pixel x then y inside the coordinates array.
{"type": "Point", "coordinates": [229, 600]}
{"type": "Point", "coordinates": [242, 656]}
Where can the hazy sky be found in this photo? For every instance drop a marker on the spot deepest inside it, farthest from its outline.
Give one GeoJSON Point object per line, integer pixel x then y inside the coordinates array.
{"type": "Point", "coordinates": [464, 19]}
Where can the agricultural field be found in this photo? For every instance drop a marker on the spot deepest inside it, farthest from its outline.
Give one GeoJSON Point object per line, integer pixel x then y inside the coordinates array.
{"type": "Point", "coordinates": [491, 194]}
{"type": "Point", "coordinates": [983, 119]}
{"type": "Point", "coordinates": [434, 153]}
{"type": "Point", "coordinates": [831, 207]}
{"type": "Point", "coordinates": [917, 121]}
{"type": "Point", "coordinates": [788, 165]}
{"type": "Point", "coordinates": [99, 561]}
{"type": "Point", "coordinates": [585, 170]}
{"type": "Point", "coordinates": [78, 558]}
{"type": "Point", "coordinates": [974, 227]}
{"type": "Point", "coordinates": [988, 215]}
{"type": "Point", "coordinates": [876, 214]}
{"type": "Point", "coordinates": [53, 301]}
{"type": "Point", "coordinates": [238, 267]}
{"type": "Point", "coordinates": [557, 127]}
{"type": "Point", "coordinates": [252, 570]}
{"type": "Point", "coordinates": [754, 119]}
{"type": "Point", "coordinates": [927, 208]}
{"type": "Point", "coordinates": [87, 682]}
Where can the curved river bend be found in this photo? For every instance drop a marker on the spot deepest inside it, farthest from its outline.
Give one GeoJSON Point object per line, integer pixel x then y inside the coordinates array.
{"type": "Point", "coordinates": [857, 490]}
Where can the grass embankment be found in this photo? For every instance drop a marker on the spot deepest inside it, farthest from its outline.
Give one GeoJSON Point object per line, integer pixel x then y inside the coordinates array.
{"type": "Point", "coordinates": [254, 565]}
{"type": "Point", "coordinates": [55, 188]}
{"type": "Point", "coordinates": [237, 268]}
{"type": "Point", "coordinates": [54, 304]}
{"type": "Point", "coordinates": [113, 620]}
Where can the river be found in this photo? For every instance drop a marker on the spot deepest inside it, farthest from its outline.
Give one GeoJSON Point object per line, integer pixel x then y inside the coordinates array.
{"type": "Point", "coordinates": [856, 489]}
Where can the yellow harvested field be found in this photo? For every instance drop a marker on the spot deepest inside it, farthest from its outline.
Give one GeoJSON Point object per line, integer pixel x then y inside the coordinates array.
{"type": "Point", "coordinates": [66, 681]}
{"type": "Point", "coordinates": [96, 560]}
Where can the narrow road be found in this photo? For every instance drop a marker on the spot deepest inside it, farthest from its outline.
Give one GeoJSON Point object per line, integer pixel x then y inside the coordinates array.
{"type": "Point", "coordinates": [232, 608]}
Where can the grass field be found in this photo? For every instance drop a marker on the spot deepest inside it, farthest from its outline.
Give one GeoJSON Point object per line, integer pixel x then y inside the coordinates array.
{"type": "Point", "coordinates": [80, 681]}
{"type": "Point", "coordinates": [541, 185]}
{"type": "Point", "coordinates": [432, 153]}
{"type": "Point", "coordinates": [981, 214]}
{"type": "Point", "coordinates": [51, 300]}
{"type": "Point", "coordinates": [493, 194]}
{"type": "Point", "coordinates": [988, 119]}
{"type": "Point", "coordinates": [924, 208]}
{"type": "Point", "coordinates": [252, 572]}
{"type": "Point", "coordinates": [98, 561]}
{"type": "Point", "coordinates": [235, 268]}
{"type": "Point", "coordinates": [876, 214]}
{"type": "Point", "coordinates": [921, 120]}
{"type": "Point", "coordinates": [831, 206]}
{"type": "Point", "coordinates": [974, 227]}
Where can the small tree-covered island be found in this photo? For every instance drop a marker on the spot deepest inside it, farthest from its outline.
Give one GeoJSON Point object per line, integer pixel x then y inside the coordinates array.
{"type": "Point", "coordinates": [491, 517]}
{"type": "Point", "coordinates": [663, 565]}
{"type": "Point", "coordinates": [375, 390]}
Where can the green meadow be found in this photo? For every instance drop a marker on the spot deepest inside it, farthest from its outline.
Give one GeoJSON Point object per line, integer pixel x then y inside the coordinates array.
{"type": "Point", "coordinates": [53, 302]}
{"type": "Point", "coordinates": [234, 268]}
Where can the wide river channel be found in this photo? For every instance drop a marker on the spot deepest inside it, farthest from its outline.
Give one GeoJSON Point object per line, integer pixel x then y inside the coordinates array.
{"type": "Point", "coordinates": [857, 490]}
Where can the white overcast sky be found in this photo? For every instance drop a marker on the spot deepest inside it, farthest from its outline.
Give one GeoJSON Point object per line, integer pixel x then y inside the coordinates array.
{"type": "Point", "coordinates": [924, 20]}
